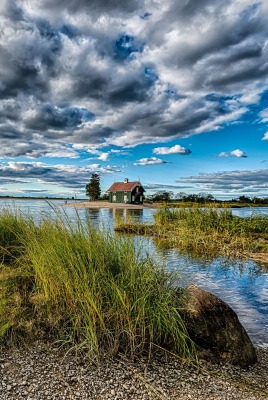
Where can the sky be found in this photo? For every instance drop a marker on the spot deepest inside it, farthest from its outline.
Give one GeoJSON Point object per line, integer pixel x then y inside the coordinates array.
{"type": "Point", "coordinates": [173, 93]}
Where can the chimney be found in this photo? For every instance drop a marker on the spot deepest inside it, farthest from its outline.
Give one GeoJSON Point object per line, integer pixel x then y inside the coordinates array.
{"type": "Point", "coordinates": [126, 180]}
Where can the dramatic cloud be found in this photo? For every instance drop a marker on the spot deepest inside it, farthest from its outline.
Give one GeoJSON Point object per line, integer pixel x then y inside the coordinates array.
{"type": "Point", "coordinates": [89, 80]}
{"type": "Point", "coordinates": [126, 73]}
{"type": "Point", "coordinates": [69, 176]}
{"type": "Point", "coordinates": [177, 149]}
{"type": "Point", "coordinates": [150, 161]}
{"type": "Point", "coordinates": [230, 181]}
{"type": "Point", "coordinates": [235, 153]}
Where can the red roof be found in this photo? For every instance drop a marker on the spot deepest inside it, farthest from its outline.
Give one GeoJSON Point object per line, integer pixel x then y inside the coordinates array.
{"type": "Point", "coordinates": [123, 186]}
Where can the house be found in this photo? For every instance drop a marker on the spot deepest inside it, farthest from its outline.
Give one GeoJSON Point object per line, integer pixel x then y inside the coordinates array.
{"type": "Point", "coordinates": [126, 192]}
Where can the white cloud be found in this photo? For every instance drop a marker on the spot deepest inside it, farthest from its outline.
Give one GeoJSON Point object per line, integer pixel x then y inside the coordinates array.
{"type": "Point", "coordinates": [235, 153]}
{"type": "Point", "coordinates": [104, 156]}
{"type": "Point", "coordinates": [238, 153]}
{"type": "Point", "coordinates": [150, 161]}
{"type": "Point", "coordinates": [265, 137]}
{"type": "Point", "coordinates": [177, 149]}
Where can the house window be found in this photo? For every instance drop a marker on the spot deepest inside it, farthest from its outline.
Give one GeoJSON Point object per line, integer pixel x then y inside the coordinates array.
{"type": "Point", "coordinates": [137, 189]}
{"type": "Point", "coordinates": [114, 197]}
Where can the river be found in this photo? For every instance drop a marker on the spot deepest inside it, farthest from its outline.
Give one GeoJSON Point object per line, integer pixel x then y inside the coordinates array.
{"type": "Point", "coordinates": [243, 285]}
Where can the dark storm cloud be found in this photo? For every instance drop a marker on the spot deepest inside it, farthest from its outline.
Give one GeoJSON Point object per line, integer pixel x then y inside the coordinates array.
{"type": "Point", "coordinates": [230, 181]}
{"type": "Point", "coordinates": [22, 78]}
{"type": "Point", "coordinates": [116, 89]}
{"type": "Point", "coordinates": [28, 54]}
{"type": "Point", "coordinates": [94, 6]}
{"type": "Point", "coordinates": [59, 118]}
{"type": "Point", "coordinates": [9, 111]}
{"type": "Point", "coordinates": [125, 73]}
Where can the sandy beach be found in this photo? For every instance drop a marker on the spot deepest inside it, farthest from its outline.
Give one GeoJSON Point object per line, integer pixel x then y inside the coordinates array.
{"type": "Point", "coordinates": [106, 204]}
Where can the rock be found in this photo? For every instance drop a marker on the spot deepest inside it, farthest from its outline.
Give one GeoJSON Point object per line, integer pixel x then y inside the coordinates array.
{"type": "Point", "coordinates": [215, 327]}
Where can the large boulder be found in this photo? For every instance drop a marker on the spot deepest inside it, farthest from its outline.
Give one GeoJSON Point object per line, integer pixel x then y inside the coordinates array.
{"type": "Point", "coordinates": [215, 328]}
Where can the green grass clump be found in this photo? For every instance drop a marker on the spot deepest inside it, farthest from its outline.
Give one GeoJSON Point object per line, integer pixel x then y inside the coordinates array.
{"type": "Point", "coordinates": [86, 288]}
{"type": "Point", "coordinates": [12, 225]}
{"type": "Point", "coordinates": [205, 232]}
{"type": "Point", "coordinates": [213, 231]}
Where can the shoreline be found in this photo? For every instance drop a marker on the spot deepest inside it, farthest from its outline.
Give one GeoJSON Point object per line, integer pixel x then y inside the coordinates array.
{"type": "Point", "coordinates": [44, 371]}
{"type": "Point", "coordinates": [106, 204]}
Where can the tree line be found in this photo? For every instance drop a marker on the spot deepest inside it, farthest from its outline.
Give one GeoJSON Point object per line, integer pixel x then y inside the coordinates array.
{"type": "Point", "coordinates": [201, 198]}
{"type": "Point", "coordinates": [93, 191]}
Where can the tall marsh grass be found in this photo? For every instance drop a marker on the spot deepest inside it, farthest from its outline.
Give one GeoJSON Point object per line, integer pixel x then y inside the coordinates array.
{"type": "Point", "coordinates": [212, 230]}
{"type": "Point", "coordinates": [84, 287]}
{"type": "Point", "coordinates": [205, 232]}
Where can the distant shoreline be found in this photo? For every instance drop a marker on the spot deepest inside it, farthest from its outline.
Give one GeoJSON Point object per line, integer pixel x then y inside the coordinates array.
{"type": "Point", "coordinates": [40, 198]}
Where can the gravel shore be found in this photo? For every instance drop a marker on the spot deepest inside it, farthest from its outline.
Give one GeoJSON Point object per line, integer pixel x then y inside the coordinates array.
{"type": "Point", "coordinates": [45, 372]}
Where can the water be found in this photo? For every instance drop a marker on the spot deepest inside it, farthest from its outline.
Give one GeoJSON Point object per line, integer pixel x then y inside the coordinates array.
{"type": "Point", "coordinates": [243, 285]}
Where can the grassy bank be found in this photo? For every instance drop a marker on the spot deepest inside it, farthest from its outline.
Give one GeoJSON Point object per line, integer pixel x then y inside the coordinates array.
{"type": "Point", "coordinates": [85, 288]}
{"type": "Point", "coordinates": [205, 231]}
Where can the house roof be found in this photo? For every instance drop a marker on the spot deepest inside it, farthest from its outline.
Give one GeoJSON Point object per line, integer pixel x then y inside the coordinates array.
{"type": "Point", "coordinates": [123, 186]}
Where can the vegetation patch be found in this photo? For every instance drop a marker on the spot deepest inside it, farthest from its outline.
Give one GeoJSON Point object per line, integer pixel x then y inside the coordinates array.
{"type": "Point", "coordinates": [205, 231]}
{"type": "Point", "coordinates": [85, 288]}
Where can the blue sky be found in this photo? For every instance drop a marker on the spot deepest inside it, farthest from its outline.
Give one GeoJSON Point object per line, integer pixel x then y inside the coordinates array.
{"type": "Point", "coordinates": [174, 94]}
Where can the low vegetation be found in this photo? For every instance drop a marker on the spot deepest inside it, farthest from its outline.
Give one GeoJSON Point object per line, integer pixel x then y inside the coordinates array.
{"type": "Point", "coordinates": [85, 288]}
{"type": "Point", "coordinates": [205, 231]}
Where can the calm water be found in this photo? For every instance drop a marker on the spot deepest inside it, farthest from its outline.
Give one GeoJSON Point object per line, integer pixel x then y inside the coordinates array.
{"type": "Point", "coordinates": [243, 285]}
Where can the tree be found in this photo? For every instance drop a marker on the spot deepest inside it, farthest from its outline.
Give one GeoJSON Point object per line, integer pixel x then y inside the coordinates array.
{"type": "Point", "coordinates": [244, 199]}
{"type": "Point", "coordinates": [162, 195]}
{"type": "Point", "coordinates": [93, 187]}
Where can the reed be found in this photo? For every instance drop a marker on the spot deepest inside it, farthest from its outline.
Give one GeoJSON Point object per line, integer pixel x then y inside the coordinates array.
{"type": "Point", "coordinates": [85, 288]}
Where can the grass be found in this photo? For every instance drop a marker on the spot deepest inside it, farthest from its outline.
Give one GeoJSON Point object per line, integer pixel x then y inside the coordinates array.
{"type": "Point", "coordinates": [205, 231]}
{"type": "Point", "coordinates": [83, 287]}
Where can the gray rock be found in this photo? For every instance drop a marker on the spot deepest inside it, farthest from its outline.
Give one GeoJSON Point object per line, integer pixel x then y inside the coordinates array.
{"type": "Point", "coordinates": [215, 327]}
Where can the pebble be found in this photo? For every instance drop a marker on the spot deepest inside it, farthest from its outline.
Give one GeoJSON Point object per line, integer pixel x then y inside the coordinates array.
{"type": "Point", "coordinates": [44, 372]}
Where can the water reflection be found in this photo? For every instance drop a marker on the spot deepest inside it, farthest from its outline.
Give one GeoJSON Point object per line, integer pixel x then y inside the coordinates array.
{"type": "Point", "coordinates": [127, 215]}
{"type": "Point", "coordinates": [243, 285]}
